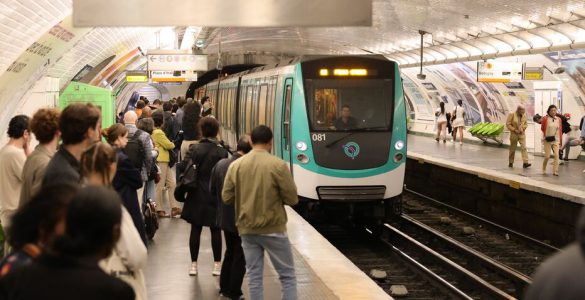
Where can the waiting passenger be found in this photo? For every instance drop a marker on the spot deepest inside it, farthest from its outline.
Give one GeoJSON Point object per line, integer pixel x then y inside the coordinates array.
{"type": "Point", "coordinates": [139, 107]}
{"type": "Point", "coordinates": [200, 208]}
{"type": "Point", "coordinates": [191, 131]}
{"type": "Point", "coordinates": [139, 147]}
{"type": "Point", "coordinates": [45, 126]}
{"type": "Point", "coordinates": [259, 185]}
{"type": "Point", "coordinates": [80, 126]}
{"type": "Point", "coordinates": [72, 272]}
{"type": "Point", "coordinates": [171, 126]}
{"type": "Point", "coordinates": [12, 159]}
{"type": "Point", "coordinates": [517, 125]}
{"type": "Point", "coordinates": [98, 168]}
{"type": "Point", "coordinates": [167, 175]}
{"type": "Point", "coordinates": [458, 121]}
{"type": "Point", "coordinates": [156, 104]}
{"type": "Point", "coordinates": [441, 115]}
{"type": "Point", "coordinates": [562, 275]}
{"type": "Point", "coordinates": [153, 176]}
{"type": "Point", "coordinates": [551, 128]}
{"type": "Point", "coordinates": [234, 262]}
{"type": "Point", "coordinates": [206, 109]}
{"type": "Point", "coordinates": [180, 112]}
{"type": "Point", "coordinates": [566, 141]}
{"type": "Point", "coordinates": [36, 225]}
{"type": "Point", "coordinates": [127, 179]}
{"type": "Point", "coordinates": [345, 121]}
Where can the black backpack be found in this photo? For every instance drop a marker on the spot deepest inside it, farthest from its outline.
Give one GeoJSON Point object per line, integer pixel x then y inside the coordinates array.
{"type": "Point", "coordinates": [135, 150]}
{"type": "Point", "coordinates": [150, 217]}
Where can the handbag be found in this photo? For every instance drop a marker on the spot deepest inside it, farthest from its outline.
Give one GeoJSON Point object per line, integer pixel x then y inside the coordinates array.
{"type": "Point", "coordinates": [116, 267]}
{"type": "Point", "coordinates": [454, 115]}
{"type": "Point", "coordinates": [550, 138]}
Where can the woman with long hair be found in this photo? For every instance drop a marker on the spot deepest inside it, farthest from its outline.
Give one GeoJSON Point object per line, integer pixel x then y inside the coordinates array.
{"type": "Point", "coordinates": [458, 121]}
{"type": "Point", "coordinates": [98, 168]}
{"type": "Point", "coordinates": [191, 132]}
{"type": "Point", "coordinates": [441, 115]}
{"type": "Point", "coordinates": [552, 131]}
{"type": "Point", "coordinates": [127, 179]}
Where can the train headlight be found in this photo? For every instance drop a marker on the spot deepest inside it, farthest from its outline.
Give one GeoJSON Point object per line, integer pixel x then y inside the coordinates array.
{"type": "Point", "coordinates": [301, 146]}
{"type": "Point", "coordinates": [399, 145]}
{"type": "Point", "coordinates": [303, 158]}
{"type": "Point", "coordinates": [398, 157]}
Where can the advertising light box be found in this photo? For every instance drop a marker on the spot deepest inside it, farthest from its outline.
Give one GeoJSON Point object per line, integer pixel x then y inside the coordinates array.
{"type": "Point", "coordinates": [494, 71]}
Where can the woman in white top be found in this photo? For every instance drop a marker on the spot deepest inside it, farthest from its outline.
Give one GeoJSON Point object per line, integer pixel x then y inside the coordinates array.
{"type": "Point", "coordinates": [551, 128]}
{"type": "Point", "coordinates": [458, 121]}
{"type": "Point", "coordinates": [441, 115]}
{"type": "Point", "coordinates": [98, 168]}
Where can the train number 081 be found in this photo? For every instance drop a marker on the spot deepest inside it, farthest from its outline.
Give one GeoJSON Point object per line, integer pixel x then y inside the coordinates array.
{"type": "Point", "coordinates": [319, 137]}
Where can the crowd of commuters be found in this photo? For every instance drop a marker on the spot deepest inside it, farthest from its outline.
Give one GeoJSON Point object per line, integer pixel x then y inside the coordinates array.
{"type": "Point", "coordinates": [73, 209]}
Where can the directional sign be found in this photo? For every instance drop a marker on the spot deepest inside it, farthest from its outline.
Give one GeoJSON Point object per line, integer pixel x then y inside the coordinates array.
{"type": "Point", "coordinates": [173, 76]}
{"type": "Point", "coordinates": [178, 62]}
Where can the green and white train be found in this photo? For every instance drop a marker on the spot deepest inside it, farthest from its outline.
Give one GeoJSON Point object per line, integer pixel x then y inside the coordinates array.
{"type": "Point", "coordinates": [339, 121]}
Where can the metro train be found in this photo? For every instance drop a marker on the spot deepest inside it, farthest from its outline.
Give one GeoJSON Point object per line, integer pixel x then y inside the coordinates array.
{"type": "Point", "coordinates": [339, 121]}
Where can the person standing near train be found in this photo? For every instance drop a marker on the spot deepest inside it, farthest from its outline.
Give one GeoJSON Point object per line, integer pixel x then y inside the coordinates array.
{"type": "Point", "coordinates": [458, 121]}
{"type": "Point", "coordinates": [441, 115]}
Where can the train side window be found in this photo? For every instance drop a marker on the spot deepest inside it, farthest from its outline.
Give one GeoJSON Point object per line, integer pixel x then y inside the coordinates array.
{"type": "Point", "coordinates": [287, 104]}
{"type": "Point", "coordinates": [262, 104]}
{"type": "Point", "coordinates": [248, 110]}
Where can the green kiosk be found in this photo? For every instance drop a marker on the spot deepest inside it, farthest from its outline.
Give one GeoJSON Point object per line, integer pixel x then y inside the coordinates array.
{"type": "Point", "coordinates": [77, 92]}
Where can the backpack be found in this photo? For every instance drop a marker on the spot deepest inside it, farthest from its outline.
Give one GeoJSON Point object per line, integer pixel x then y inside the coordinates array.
{"type": "Point", "coordinates": [188, 170]}
{"type": "Point", "coordinates": [135, 149]}
{"type": "Point", "coordinates": [150, 218]}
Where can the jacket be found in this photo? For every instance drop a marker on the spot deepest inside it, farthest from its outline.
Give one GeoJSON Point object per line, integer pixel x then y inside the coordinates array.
{"type": "Point", "coordinates": [561, 275]}
{"type": "Point", "coordinates": [63, 168]}
{"type": "Point", "coordinates": [126, 181]}
{"type": "Point", "coordinates": [145, 140]}
{"type": "Point", "coordinates": [162, 144]}
{"type": "Point", "coordinates": [513, 123]}
{"type": "Point", "coordinates": [226, 214]}
{"type": "Point", "coordinates": [171, 126]}
{"type": "Point", "coordinates": [62, 278]}
{"type": "Point", "coordinates": [33, 173]}
{"type": "Point", "coordinates": [259, 185]}
{"type": "Point", "coordinates": [544, 123]}
{"type": "Point", "coordinates": [200, 207]}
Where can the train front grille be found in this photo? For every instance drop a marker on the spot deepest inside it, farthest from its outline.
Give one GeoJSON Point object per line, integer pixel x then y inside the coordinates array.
{"type": "Point", "coordinates": [348, 193]}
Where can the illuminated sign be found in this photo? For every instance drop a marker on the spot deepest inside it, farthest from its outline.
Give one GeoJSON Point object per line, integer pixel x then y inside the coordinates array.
{"type": "Point", "coordinates": [532, 73]}
{"type": "Point", "coordinates": [494, 71]}
{"type": "Point", "coordinates": [174, 60]}
{"type": "Point", "coordinates": [173, 76]}
{"type": "Point", "coordinates": [136, 76]}
{"type": "Point", "coordinates": [344, 72]}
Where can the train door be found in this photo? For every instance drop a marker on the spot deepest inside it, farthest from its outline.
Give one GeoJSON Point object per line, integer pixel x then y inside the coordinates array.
{"type": "Point", "coordinates": [286, 121]}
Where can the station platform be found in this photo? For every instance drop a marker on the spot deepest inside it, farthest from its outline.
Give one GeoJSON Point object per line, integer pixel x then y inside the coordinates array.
{"type": "Point", "coordinates": [322, 271]}
{"type": "Point", "coordinates": [491, 163]}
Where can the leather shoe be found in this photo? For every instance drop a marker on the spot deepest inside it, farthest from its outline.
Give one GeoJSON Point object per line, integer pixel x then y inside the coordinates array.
{"type": "Point", "coordinates": [526, 165]}
{"type": "Point", "coordinates": [510, 165]}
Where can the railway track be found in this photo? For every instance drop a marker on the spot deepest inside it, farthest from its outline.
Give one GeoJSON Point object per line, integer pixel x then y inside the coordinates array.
{"type": "Point", "coordinates": [439, 252]}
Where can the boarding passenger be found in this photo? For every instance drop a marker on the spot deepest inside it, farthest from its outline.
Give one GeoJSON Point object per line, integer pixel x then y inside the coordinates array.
{"type": "Point", "coordinates": [139, 147]}
{"type": "Point", "coordinates": [259, 185]}
{"type": "Point", "coordinates": [98, 168]}
{"type": "Point", "coordinates": [441, 115]}
{"type": "Point", "coordinates": [191, 131]}
{"type": "Point", "coordinates": [562, 275]}
{"type": "Point", "coordinates": [458, 121]}
{"type": "Point", "coordinates": [71, 272]}
{"type": "Point", "coordinates": [206, 109]}
{"type": "Point", "coordinates": [345, 121]}
{"type": "Point", "coordinates": [36, 224]}
{"type": "Point", "coordinates": [45, 126]}
{"type": "Point", "coordinates": [127, 179]}
{"type": "Point", "coordinates": [153, 176]}
{"type": "Point", "coordinates": [234, 263]}
{"type": "Point", "coordinates": [517, 125]}
{"type": "Point", "coordinates": [200, 208]}
{"type": "Point", "coordinates": [80, 126]}
{"type": "Point", "coordinates": [12, 159]}
{"type": "Point", "coordinates": [551, 128]}
{"type": "Point", "coordinates": [167, 182]}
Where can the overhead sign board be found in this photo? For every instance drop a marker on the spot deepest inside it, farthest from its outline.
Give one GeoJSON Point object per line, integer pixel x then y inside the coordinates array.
{"type": "Point", "coordinates": [495, 71]}
{"type": "Point", "coordinates": [177, 62]}
{"type": "Point", "coordinates": [173, 76]}
{"type": "Point", "coordinates": [224, 13]}
{"type": "Point", "coordinates": [136, 76]}
{"type": "Point", "coordinates": [533, 73]}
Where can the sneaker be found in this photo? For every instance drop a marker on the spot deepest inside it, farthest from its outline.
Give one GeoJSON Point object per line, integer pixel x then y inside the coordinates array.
{"type": "Point", "coordinates": [193, 269]}
{"type": "Point", "coordinates": [175, 212]}
{"type": "Point", "coordinates": [216, 268]}
{"type": "Point", "coordinates": [526, 165]}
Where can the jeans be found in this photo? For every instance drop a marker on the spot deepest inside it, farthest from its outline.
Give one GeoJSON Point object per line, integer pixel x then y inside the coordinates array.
{"type": "Point", "coordinates": [280, 253]}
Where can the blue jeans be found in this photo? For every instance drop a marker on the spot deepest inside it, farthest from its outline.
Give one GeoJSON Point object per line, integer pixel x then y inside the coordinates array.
{"type": "Point", "coordinates": [280, 253]}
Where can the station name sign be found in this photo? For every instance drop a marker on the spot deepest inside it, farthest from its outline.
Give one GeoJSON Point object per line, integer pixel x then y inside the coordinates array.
{"type": "Point", "coordinates": [494, 71]}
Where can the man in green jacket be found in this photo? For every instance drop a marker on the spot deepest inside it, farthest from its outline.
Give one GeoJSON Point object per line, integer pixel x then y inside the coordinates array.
{"type": "Point", "coordinates": [259, 185]}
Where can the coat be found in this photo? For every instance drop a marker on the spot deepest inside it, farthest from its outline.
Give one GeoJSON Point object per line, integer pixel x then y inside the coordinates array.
{"type": "Point", "coordinates": [200, 207]}
{"type": "Point", "coordinates": [226, 214]}
{"type": "Point", "coordinates": [126, 182]}
{"type": "Point", "coordinates": [163, 145]}
{"type": "Point", "coordinates": [514, 123]}
{"type": "Point", "coordinates": [543, 125]}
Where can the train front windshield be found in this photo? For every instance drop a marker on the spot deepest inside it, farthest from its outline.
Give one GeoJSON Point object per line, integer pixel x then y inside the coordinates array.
{"type": "Point", "coordinates": [350, 104]}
